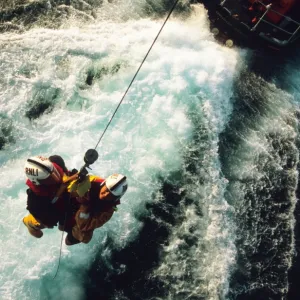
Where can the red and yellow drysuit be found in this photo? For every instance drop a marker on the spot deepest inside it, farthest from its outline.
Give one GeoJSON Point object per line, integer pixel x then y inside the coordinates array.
{"type": "Point", "coordinates": [96, 208]}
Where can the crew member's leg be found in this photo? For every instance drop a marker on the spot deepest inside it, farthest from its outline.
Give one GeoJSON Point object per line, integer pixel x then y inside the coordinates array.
{"type": "Point", "coordinates": [71, 240]}
{"type": "Point", "coordinates": [33, 226]}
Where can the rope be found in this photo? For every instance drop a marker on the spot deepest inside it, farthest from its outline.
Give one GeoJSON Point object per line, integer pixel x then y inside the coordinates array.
{"type": "Point", "coordinates": [61, 242]}
{"type": "Point", "coordinates": [136, 73]}
{"type": "Point", "coordinates": [62, 237]}
{"type": "Point", "coordinates": [120, 102]}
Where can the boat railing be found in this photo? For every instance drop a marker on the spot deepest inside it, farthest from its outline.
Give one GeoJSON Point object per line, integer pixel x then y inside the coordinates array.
{"type": "Point", "coordinates": [268, 8]}
{"type": "Point", "coordinates": [281, 34]}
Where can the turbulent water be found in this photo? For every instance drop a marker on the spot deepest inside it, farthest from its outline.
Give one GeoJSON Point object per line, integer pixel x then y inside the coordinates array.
{"type": "Point", "coordinates": [209, 146]}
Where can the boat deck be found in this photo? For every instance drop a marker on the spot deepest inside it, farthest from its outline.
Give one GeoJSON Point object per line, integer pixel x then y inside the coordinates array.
{"type": "Point", "coordinates": [239, 9]}
{"type": "Point", "coordinates": [256, 20]}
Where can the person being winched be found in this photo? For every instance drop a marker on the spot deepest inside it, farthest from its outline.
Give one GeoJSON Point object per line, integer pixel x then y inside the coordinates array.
{"type": "Point", "coordinates": [97, 205]}
{"type": "Point", "coordinates": [47, 180]}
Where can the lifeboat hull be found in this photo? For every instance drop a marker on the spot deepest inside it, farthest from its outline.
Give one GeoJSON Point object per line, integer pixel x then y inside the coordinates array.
{"type": "Point", "coordinates": [253, 33]}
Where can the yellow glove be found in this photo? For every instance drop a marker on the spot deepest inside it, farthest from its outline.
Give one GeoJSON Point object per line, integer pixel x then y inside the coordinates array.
{"type": "Point", "coordinates": [80, 188]}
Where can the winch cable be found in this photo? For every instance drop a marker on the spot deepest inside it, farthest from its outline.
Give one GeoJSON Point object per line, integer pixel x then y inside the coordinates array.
{"type": "Point", "coordinates": [136, 73]}
{"type": "Point", "coordinates": [120, 102]}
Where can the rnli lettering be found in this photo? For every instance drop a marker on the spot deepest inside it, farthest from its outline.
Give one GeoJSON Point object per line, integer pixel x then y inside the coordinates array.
{"type": "Point", "coordinates": [32, 172]}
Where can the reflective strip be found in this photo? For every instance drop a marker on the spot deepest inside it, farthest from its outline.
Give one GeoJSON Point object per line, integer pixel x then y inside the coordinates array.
{"type": "Point", "coordinates": [54, 200]}
{"type": "Point", "coordinates": [84, 215]}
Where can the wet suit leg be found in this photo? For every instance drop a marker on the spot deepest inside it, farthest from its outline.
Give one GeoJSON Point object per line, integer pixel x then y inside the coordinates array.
{"type": "Point", "coordinates": [70, 240]}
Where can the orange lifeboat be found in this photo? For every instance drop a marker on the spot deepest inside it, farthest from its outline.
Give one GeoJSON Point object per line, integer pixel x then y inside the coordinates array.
{"type": "Point", "coordinates": [272, 24]}
{"type": "Point", "coordinates": [279, 9]}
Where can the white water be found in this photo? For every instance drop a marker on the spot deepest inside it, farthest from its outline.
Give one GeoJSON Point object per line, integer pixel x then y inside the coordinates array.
{"type": "Point", "coordinates": [148, 137]}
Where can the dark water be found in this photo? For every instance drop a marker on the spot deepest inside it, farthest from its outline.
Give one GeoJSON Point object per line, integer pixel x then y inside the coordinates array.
{"type": "Point", "coordinates": [264, 235]}
{"type": "Point", "coordinates": [283, 72]}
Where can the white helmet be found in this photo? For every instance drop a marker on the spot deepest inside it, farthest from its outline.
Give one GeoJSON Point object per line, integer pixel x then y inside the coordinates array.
{"type": "Point", "coordinates": [117, 184]}
{"type": "Point", "coordinates": [38, 168]}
